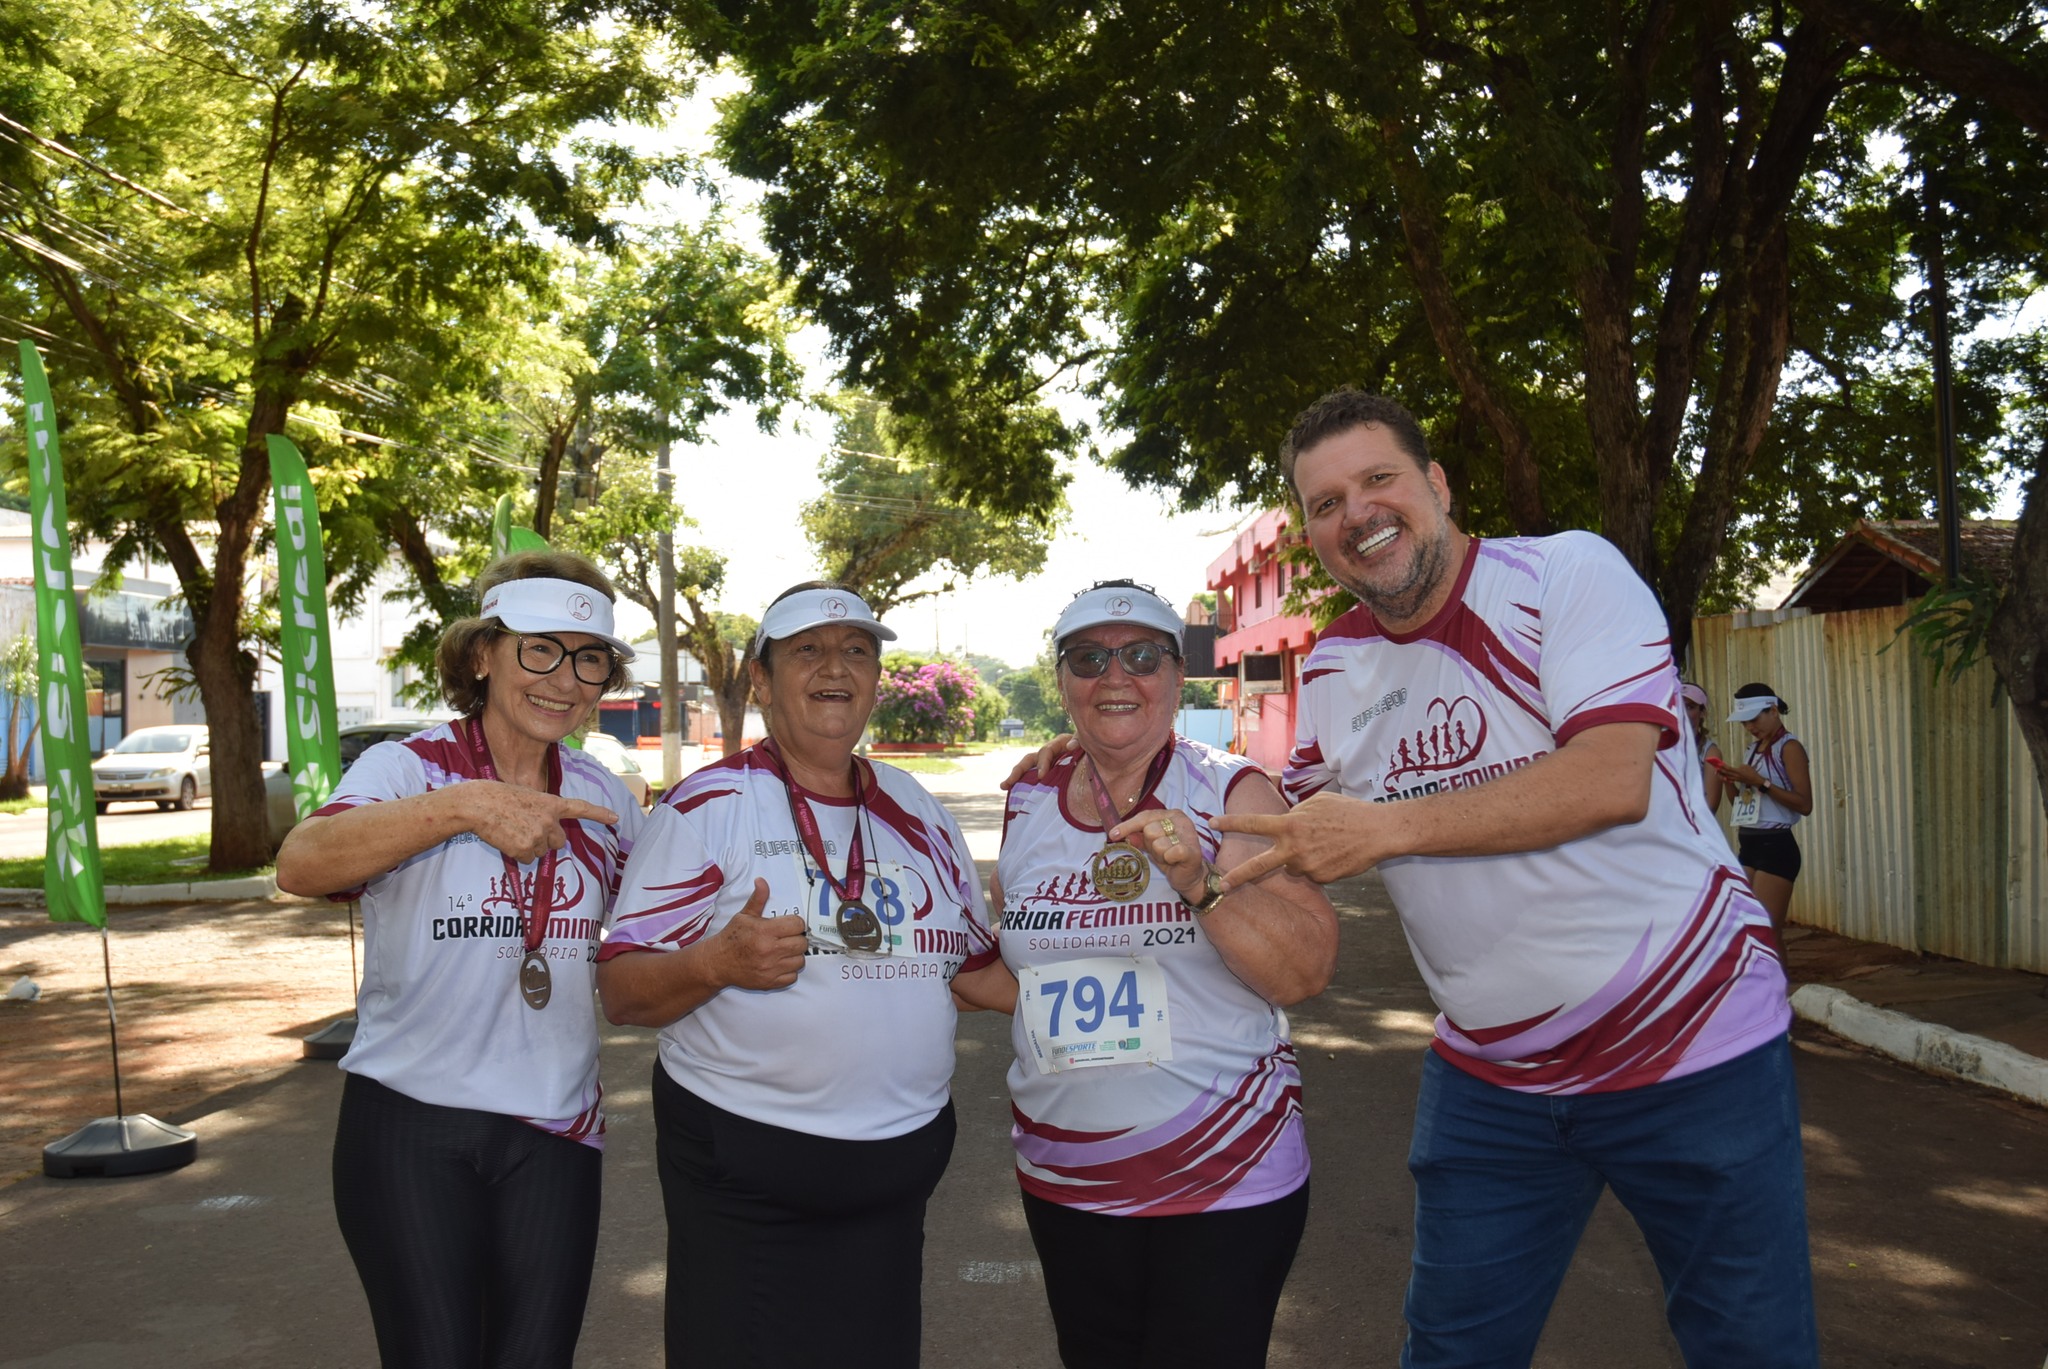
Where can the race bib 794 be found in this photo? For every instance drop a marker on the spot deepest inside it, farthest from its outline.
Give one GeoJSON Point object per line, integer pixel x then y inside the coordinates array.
{"type": "Point", "coordinates": [1104, 1010]}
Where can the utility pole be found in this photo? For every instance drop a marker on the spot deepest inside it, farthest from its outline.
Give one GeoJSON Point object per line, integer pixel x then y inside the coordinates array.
{"type": "Point", "coordinates": [1944, 385]}
{"type": "Point", "coordinates": [665, 633]}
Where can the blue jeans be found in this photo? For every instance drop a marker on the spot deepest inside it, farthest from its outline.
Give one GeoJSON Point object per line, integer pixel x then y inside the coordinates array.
{"type": "Point", "coordinates": [1708, 1164]}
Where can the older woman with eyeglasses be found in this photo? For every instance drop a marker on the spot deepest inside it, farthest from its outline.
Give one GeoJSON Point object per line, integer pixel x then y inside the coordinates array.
{"type": "Point", "coordinates": [467, 1159]}
{"type": "Point", "coordinates": [796, 921]}
{"type": "Point", "coordinates": [1158, 1123]}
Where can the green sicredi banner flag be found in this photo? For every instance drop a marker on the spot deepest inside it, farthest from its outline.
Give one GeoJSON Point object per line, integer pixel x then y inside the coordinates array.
{"type": "Point", "coordinates": [312, 737]}
{"type": "Point", "coordinates": [507, 536]}
{"type": "Point", "coordinates": [501, 526]}
{"type": "Point", "coordinates": [71, 875]}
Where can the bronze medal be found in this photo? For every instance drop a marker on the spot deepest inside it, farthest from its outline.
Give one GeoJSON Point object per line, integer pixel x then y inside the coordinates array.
{"type": "Point", "coordinates": [536, 980]}
{"type": "Point", "coordinates": [1119, 871]}
{"type": "Point", "coordinates": [858, 927]}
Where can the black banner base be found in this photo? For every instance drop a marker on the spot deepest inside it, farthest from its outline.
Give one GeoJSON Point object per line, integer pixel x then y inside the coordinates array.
{"type": "Point", "coordinates": [114, 1146]}
{"type": "Point", "coordinates": [331, 1042]}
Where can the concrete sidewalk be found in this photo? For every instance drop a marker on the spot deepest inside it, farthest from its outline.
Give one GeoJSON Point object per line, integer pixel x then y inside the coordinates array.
{"type": "Point", "coordinates": [1948, 1017]}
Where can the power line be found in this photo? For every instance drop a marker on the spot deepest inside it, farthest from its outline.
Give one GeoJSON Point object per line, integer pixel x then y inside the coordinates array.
{"type": "Point", "coordinates": [114, 176]}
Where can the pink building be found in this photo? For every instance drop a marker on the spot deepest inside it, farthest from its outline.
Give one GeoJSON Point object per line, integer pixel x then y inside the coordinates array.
{"type": "Point", "coordinates": [1256, 641]}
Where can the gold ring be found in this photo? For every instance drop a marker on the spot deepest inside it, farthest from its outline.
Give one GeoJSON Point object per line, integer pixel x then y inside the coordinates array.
{"type": "Point", "coordinates": [1166, 829]}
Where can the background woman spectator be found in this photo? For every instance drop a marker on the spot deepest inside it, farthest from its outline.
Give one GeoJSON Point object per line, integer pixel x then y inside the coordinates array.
{"type": "Point", "coordinates": [1711, 783]}
{"type": "Point", "coordinates": [467, 1159]}
{"type": "Point", "coordinates": [1774, 790]}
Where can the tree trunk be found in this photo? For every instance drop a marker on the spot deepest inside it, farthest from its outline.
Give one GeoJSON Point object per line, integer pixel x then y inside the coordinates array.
{"type": "Point", "coordinates": [665, 636]}
{"type": "Point", "coordinates": [732, 708]}
{"type": "Point", "coordinates": [2018, 637]}
{"type": "Point", "coordinates": [550, 477]}
{"type": "Point", "coordinates": [224, 670]}
{"type": "Point", "coordinates": [14, 779]}
{"type": "Point", "coordinates": [1520, 478]}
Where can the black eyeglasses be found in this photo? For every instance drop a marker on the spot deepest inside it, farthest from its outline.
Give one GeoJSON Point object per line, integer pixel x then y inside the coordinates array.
{"type": "Point", "coordinates": [543, 655]}
{"type": "Point", "coordinates": [1139, 658]}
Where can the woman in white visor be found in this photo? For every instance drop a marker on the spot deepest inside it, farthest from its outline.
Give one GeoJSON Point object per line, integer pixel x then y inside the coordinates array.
{"type": "Point", "coordinates": [485, 853]}
{"type": "Point", "coordinates": [1773, 791]}
{"type": "Point", "coordinates": [796, 921]}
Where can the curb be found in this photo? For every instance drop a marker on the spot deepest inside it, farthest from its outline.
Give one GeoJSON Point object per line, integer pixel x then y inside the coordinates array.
{"type": "Point", "coordinates": [197, 891]}
{"type": "Point", "coordinates": [1924, 1045]}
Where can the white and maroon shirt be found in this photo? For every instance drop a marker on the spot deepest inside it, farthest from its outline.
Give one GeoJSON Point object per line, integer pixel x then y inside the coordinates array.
{"type": "Point", "coordinates": [439, 1016]}
{"type": "Point", "coordinates": [1635, 954]}
{"type": "Point", "coordinates": [1218, 1125]}
{"type": "Point", "coordinates": [860, 1048]}
{"type": "Point", "coordinates": [1768, 760]}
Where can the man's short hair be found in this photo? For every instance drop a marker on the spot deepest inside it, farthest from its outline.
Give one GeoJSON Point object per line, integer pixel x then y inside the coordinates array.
{"type": "Point", "coordinates": [1339, 412]}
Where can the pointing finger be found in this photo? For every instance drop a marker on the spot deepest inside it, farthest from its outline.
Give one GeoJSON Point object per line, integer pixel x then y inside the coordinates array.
{"type": "Point", "coordinates": [571, 809]}
{"type": "Point", "coordinates": [1259, 866]}
{"type": "Point", "coordinates": [1258, 824]}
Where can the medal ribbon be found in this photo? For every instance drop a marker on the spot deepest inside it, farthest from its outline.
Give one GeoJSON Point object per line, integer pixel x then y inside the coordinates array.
{"type": "Point", "coordinates": [849, 890]}
{"type": "Point", "coordinates": [1106, 807]}
{"type": "Point", "coordinates": [534, 921]}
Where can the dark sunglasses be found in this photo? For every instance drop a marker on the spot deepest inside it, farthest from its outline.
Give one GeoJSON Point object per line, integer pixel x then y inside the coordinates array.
{"type": "Point", "coordinates": [1139, 658]}
{"type": "Point", "coordinates": [540, 654]}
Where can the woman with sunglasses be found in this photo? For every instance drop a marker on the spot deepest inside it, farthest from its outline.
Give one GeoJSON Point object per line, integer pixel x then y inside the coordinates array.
{"type": "Point", "coordinates": [796, 921]}
{"type": "Point", "coordinates": [1158, 1108]}
{"type": "Point", "coordinates": [485, 853]}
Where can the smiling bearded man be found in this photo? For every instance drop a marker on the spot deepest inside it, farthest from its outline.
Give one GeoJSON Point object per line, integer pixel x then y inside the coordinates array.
{"type": "Point", "coordinates": [1496, 727]}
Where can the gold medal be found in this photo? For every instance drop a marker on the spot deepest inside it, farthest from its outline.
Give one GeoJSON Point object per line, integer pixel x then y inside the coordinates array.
{"type": "Point", "coordinates": [858, 927]}
{"type": "Point", "coordinates": [1119, 871]}
{"type": "Point", "coordinates": [536, 980]}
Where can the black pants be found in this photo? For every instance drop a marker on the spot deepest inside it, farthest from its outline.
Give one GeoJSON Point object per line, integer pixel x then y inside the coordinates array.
{"type": "Point", "coordinates": [787, 1250]}
{"type": "Point", "coordinates": [473, 1233]}
{"type": "Point", "coordinates": [1166, 1292]}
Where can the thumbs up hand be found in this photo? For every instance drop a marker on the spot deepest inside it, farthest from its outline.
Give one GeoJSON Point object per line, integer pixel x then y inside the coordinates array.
{"type": "Point", "coordinates": [755, 952]}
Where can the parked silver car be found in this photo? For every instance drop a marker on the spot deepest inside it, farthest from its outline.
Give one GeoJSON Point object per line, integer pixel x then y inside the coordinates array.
{"type": "Point", "coordinates": [166, 765]}
{"type": "Point", "coordinates": [612, 754]}
{"type": "Point", "coordinates": [355, 739]}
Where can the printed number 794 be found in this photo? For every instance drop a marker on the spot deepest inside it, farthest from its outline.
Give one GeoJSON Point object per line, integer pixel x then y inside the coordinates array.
{"type": "Point", "coordinates": [1091, 1005]}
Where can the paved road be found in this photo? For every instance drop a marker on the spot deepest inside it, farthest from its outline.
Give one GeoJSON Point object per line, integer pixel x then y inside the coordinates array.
{"type": "Point", "coordinates": [1929, 1207]}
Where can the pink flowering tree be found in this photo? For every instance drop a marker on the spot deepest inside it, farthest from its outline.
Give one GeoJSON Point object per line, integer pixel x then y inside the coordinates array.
{"type": "Point", "coordinates": [929, 701]}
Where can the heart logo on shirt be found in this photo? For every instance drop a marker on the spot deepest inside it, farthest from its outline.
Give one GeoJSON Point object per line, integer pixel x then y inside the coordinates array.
{"type": "Point", "coordinates": [1450, 737]}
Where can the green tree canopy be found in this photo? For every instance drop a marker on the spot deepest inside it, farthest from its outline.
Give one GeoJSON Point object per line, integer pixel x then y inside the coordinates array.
{"type": "Point", "coordinates": [887, 517]}
{"type": "Point", "coordinates": [1639, 268]}
{"type": "Point", "coordinates": [223, 219]}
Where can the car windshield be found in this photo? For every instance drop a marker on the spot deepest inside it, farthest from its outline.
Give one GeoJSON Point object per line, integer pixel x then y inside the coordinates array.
{"type": "Point", "coordinates": [612, 752]}
{"type": "Point", "coordinates": [154, 743]}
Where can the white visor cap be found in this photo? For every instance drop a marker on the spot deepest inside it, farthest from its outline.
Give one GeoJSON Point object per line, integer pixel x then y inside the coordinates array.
{"type": "Point", "coordinates": [1106, 604]}
{"type": "Point", "coordinates": [1746, 709]}
{"type": "Point", "coordinates": [544, 605]}
{"type": "Point", "coordinates": [809, 608]}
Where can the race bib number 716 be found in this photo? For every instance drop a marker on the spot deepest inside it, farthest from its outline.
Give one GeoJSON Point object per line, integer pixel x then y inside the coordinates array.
{"type": "Point", "coordinates": [1106, 1010]}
